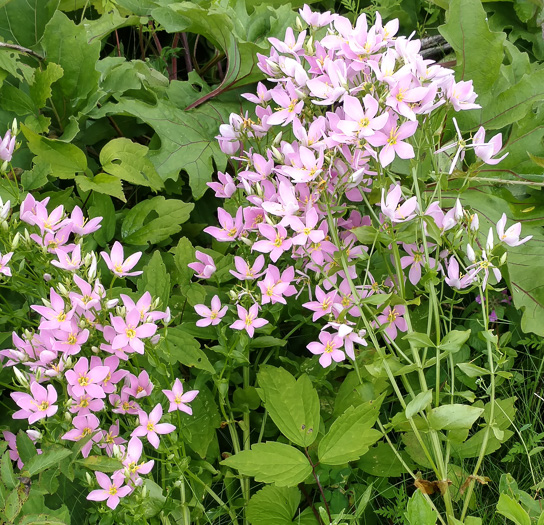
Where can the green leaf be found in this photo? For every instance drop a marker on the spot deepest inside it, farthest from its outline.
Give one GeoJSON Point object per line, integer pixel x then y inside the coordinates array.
{"type": "Point", "coordinates": [272, 462]}
{"type": "Point", "coordinates": [66, 160]}
{"type": "Point", "coordinates": [351, 435]}
{"type": "Point", "coordinates": [66, 44]}
{"type": "Point", "coordinates": [154, 220]}
{"type": "Point", "coordinates": [266, 341]}
{"type": "Point", "coordinates": [102, 183]}
{"type": "Point", "coordinates": [14, 504]}
{"type": "Point", "coordinates": [181, 347]}
{"type": "Point", "coordinates": [155, 500]}
{"type": "Point", "coordinates": [418, 340]}
{"type": "Point", "coordinates": [292, 404]}
{"type": "Point", "coordinates": [419, 510]}
{"type": "Point", "coordinates": [184, 254]}
{"type": "Point", "coordinates": [454, 340]}
{"type": "Point", "coordinates": [156, 280]}
{"type": "Point", "coordinates": [49, 458]}
{"type": "Point", "coordinates": [198, 430]}
{"type": "Point", "coordinates": [512, 510]}
{"type": "Point", "coordinates": [128, 161]}
{"type": "Point", "coordinates": [273, 506]}
{"type": "Point", "coordinates": [454, 417]}
{"type": "Point", "coordinates": [478, 50]}
{"type": "Point", "coordinates": [472, 370]}
{"type": "Point", "coordinates": [41, 519]}
{"type": "Point", "coordinates": [102, 206]}
{"type": "Point", "coordinates": [40, 88]}
{"type": "Point", "coordinates": [381, 461]}
{"type": "Point", "coordinates": [6, 472]}
{"type": "Point", "coordinates": [25, 447]}
{"type": "Point", "coordinates": [101, 463]}
{"type": "Point", "coordinates": [17, 101]}
{"type": "Point", "coordinates": [419, 403]}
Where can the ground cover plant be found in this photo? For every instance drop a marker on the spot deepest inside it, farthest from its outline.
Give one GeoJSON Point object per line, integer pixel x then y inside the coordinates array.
{"type": "Point", "coordinates": [354, 336]}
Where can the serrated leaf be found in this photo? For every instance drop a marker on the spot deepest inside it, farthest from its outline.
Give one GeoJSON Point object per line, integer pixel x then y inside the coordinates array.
{"type": "Point", "coordinates": [183, 348]}
{"type": "Point", "coordinates": [272, 462]}
{"type": "Point", "coordinates": [156, 280]}
{"type": "Point", "coordinates": [292, 404]}
{"type": "Point", "coordinates": [154, 220]}
{"type": "Point", "coordinates": [40, 88]}
{"type": "Point", "coordinates": [66, 160]}
{"type": "Point", "coordinates": [41, 519]}
{"type": "Point", "coordinates": [128, 161]}
{"type": "Point", "coordinates": [102, 183]}
{"type": "Point", "coordinates": [273, 506]}
{"type": "Point", "coordinates": [454, 417]}
{"type": "Point", "coordinates": [351, 435]}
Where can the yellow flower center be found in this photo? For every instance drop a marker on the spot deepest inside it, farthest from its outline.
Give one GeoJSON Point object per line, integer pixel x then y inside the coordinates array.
{"type": "Point", "coordinates": [83, 381]}
{"type": "Point", "coordinates": [130, 332]}
{"type": "Point", "coordinates": [43, 406]}
{"type": "Point", "coordinates": [393, 314]}
{"type": "Point", "coordinates": [83, 402]}
{"type": "Point", "coordinates": [279, 241]}
{"type": "Point", "coordinates": [325, 305]}
{"type": "Point", "coordinates": [150, 427]}
{"type": "Point", "coordinates": [112, 491]}
{"type": "Point", "coordinates": [329, 348]}
{"type": "Point", "coordinates": [72, 339]}
{"type": "Point", "coordinates": [61, 317]}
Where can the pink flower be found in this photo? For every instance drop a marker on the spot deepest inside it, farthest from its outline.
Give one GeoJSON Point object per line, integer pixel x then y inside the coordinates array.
{"type": "Point", "coordinates": [140, 386]}
{"type": "Point", "coordinates": [79, 223]}
{"type": "Point", "coordinates": [57, 316]}
{"type": "Point", "coordinates": [150, 426]}
{"type": "Point", "coordinates": [116, 262]}
{"type": "Point", "coordinates": [4, 259]}
{"type": "Point", "coordinates": [454, 279]}
{"type": "Point", "coordinates": [231, 227]}
{"type": "Point", "coordinates": [316, 19]}
{"type": "Point", "coordinates": [205, 268]}
{"type": "Point", "coordinates": [7, 146]}
{"type": "Point", "coordinates": [391, 208]}
{"type": "Point", "coordinates": [360, 123]}
{"type": "Point", "coordinates": [178, 400]}
{"type": "Point", "coordinates": [130, 462]}
{"type": "Point", "coordinates": [37, 406]}
{"type": "Point", "coordinates": [306, 231]}
{"type": "Point", "coordinates": [416, 261]}
{"type": "Point", "coordinates": [122, 404]}
{"type": "Point", "coordinates": [84, 381]}
{"type": "Point", "coordinates": [323, 305]}
{"type": "Point", "coordinates": [110, 438]}
{"type": "Point", "coordinates": [246, 272]}
{"type": "Point", "coordinates": [393, 320]}
{"type": "Point", "coordinates": [112, 489]}
{"type": "Point", "coordinates": [129, 334]}
{"type": "Point", "coordinates": [89, 298]}
{"type": "Point", "coordinates": [486, 150]}
{"type": "Point", "coordinates": [276, 241]}
{"type": "Point", "coordinates": [69, 342]}
{"type": "Point", "coordinates": [511, 235]}
{"type": "Point", "coordinates": [85, 404]}
{"type": "Point", "coordinates": [329, 348]}
{"type": "Point", "coordinates": [67, 262]}
{"type": "Point", "coordinates": [83, 426]}
{"type": "Point", "coordinates": [392, 138]}
{"type": "Point", "coordinates": [213, 316]}
{"type": "Point", "coordinates": [114, 375]}
{"type": "Point", "coordinates": [248, 320]}
{"type": "Point", "coordinates": [461, 95]}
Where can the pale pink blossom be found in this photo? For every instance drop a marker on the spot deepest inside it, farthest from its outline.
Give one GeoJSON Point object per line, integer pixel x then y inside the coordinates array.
{"type": "Point", "coordinates": [117, 263]}
{"type": "Point", "coordinates": [178, 399]}
{"type": "Point", "coordinates": [7, 147]}
{"type": "Point", "coordinates": [328, 347]}
{"type": "Point", "coordinates": [392, 319]}
{"type": "Point", "coordinates": [112, 489]}
{"type": "Point", "coordinates": [150, 426]}
{"type": "Point", "coordinates": [4, 259]}
{"type": "Point", "coordinates": [391, 208]}
{"type": "Point", "coordinates": [511, 235]}
{"type": "Point", "coordinates": [211, 316]}
{"type": "Point", "coordinates": [83, 426]}
{"type": "Point", "coordinates": [205, 267]}
{"type": "Point", "coordinates": [246, 272]}
{"type": "Point", "coordinates": [248, 320]}
{"type": "Point", "coordinates": [37, 405]}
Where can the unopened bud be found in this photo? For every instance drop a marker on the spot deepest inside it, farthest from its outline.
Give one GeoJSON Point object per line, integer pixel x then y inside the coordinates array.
{"type": "Point", "coordinates": [15, 241]}
{"type": "Point", "coordinates": [14, 127]}
{"type": "Point", "coordinates": [120, 310]}
{"type": "Point", "coordinates": [5, 226]}
{"type": "Point", "coordinates": [116, 451]}
{"type": "Point", "coordinates": [112, 303]}
{"type": "Point", "coordinates": [21, 377]}
{"type": "Point", "coordinates": [155, 339]}
{"type": "Point", "coordinates": [91, 272]}
{"type": "Point", "coordinates": [4, 167]}
{"type": "Point", "coordinates": [34, 435]}
{"type": "Point", "coordinates": [298, 24]}
{"type": "Point", "coordinates": [88, 478]}
{"type": "Point", "coordinates": [232, 294]}
{"type": "Point", "coordinates": [155, 303]}
{"type": "Point", "coordinates": [95, 349]}
{"type": "Point", "coordinates": [144, 491]}
{"type": "Point", "coordinates": [309, 46]}
{"type": "Point", "coordinates": [68, 417]}
{"type": "Point", "coordinates": [247, 187]}
{"type": "Point", "coordinates": [62, 289]}
{"type": "Point", "coordinates": [259, 189]}
{"type": "Point", "coordinates": [458, 234]}
{"type": "Point", "coordinates": [503, 258]}
{"type": "Point", "coordinates": [277, 138]}
{"type": "Point", "coordinates": [87, 259]}
{"type": "Point", "coordinates": [82, 323]}
{"type": "Point", "coordinates": [276, 155]}
{"type": "Point", "coordinates": [178, 483]}
{"type": "Point", "coordinates": [27, 236]}
{"type": "Point", "coordinates": [168, 317]}
{"type": "Point", "coordinates": [246, 241]}
{"type": "Point", "coordinates": [27, 333]}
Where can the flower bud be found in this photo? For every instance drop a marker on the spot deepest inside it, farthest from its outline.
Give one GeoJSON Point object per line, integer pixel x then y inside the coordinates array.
{"type": "Point", "coordinates": [87, 259]}
{"type": "Point", "coordinates": [277, 139]}
{"type": "Point", "coordinates": [14, 127]}
{"type": "Point", "coordinates": [232, 294]}
{"type": "Point", "coordinates": [474, 222]}
{"type": "Point", "coordinates": [4, 167]}
{"type": "Point", "coordinates": [120, 310]}
{"type": "Point", "coordinates": [178, 483]}
{"type": "Point", "coordinates": [68, 417]}
{"type": "Point", "coordinates": [27, 333]}
{"type": "Point", "coordinates": [5, 226]}
{"type": "Point", "coordinates": [15, 241]}
{"type": "Point", "coordinates": [62, 289]}
{"type": "Point", "coordinates": [298, 24]}
{"type": "Point", "coordinates": [168, 317]}
{"type": "Point", "coordinates": [95, 349]}
{"type": "Point", "coordinates": [276, 155]}
{"type": "Point", "coordinates": [91, 272]}
{"type": "Point", "coordinates": [21, 377]}
{"type": "Point", "coordinates": [27, 236]}
{"type": "Point", "coordinates": [246, 241]}
{"type": "Point", "coordinates": [259, 189]}
{"type": "Point", "coordinates": [144, 491]}
{"type": "Point", "coordinates": [155, 303]}
{"type": "Point", "coordinates": [503, 258]}
{"type": "Point", "coordinates": [46, 277]}
{"type": "Point", "coordinates": [34, 435]}
{"type": "Point", "coordinates": [88, 478]}
{"type": "Point", "coordinates": [82, 322]}
{"type": "Point", "coordinates": [155, 339]}
{"type": "Point", "coordinates": [116, 451]}
{"type": "Point", "coordinates": [309, 46]}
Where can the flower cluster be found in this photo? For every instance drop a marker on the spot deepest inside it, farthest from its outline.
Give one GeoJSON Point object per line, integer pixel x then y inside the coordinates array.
{"type": "Point", "coordinates": [354, 101]}
{"type": "Point", "coordinates": [75, 365]}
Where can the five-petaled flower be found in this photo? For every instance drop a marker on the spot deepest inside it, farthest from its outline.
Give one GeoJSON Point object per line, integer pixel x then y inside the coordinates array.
{"type": "Point", "coordinates": [150, 426]}
{"type": "Point", "coordinates": [112, 489]}
{"type": "Point", "coordinates": [116, 261]}
{"type": "Point", "coordinates": [178, 399]}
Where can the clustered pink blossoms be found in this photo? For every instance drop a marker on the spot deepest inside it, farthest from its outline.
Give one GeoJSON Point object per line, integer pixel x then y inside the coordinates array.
{"type": "Point", "coordinates": [82, 341]}
{"type": "Point", "coordinates": [354, 101]}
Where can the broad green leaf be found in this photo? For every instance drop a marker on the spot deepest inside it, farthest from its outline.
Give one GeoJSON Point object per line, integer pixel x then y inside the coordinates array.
{"type": "Point", "coordinates": [454, 417]}
{"type": "Point", "coordinates": [49, 458]}
{"type": "Point", "coordinates": [504, 412]}
{"type": "Point", "coordinates": [454, 340]}
{"type": "Point", "coordinates": [156, 280]}
{"type": "Point", "coordinates": [351, 435]}
{"type": "Point", "coordinates": [25, 447]}
{"type": "Point", "coordinates": [40, 88]}
{"type": "Point", "coordinates": [66, 44]}
{"type": "Point", "coordinates": [41, 519]}
{"type": "Point", "coordinates": [418, 340]}
{"type": "Point", "coordinates": [101, 183]}
{"type": "Point", "coordinates": [419, 403]}
{"type": "Point", "coordinates": [273, 506]}
{"type": "Point", "coordinates": [381, 461]}
{"type": "Point", "coordinates": [14, 504]}
{"type": "Point", "coordinates": [128, 161]}
{"type": "Point", "coordinates": [183, 348]}
{"type": "Point", "coordinates": [292, 404]}
{"type": "Point", "coordinates": [472, 446]}
{"type": "Point", "coordinates": [102, 206]}
{"type": "Point", "coordinates": [272, 462]}
{"type": "Point", "coordinates": [23, 22]}
{"type": "Point", "coordinates": [101, 463]}
{"type": "Point", "coordinates": [6, 472]}
{"type": "Point", "coordinates": [17, 101]}
{"type": "Point", "coordinates": [419, 510]}
{"type": "Point", "coordinates": [184, 254]}
{"type": "Point", "coordinates": [154, 220]}
{"type": "Point", "coordinates": [198, 430]}
{"type": "Point", "coordinates": [66, 160]}
{"type": "Point", "coordinates": [472, 370]}
{"type": "Point", "coordinates": [266, 341]}
{"type": "Point", "coordinates": [155, 499]}
{"type": "Point", "coordinates": [478, 50]}
{"type": "Point", "coordinates": [512, 510]}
